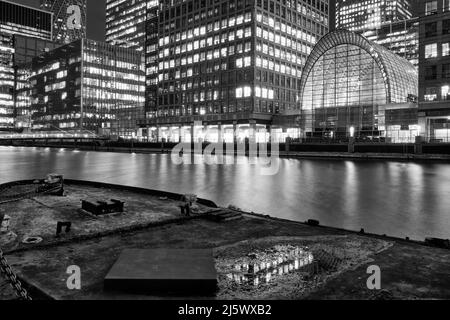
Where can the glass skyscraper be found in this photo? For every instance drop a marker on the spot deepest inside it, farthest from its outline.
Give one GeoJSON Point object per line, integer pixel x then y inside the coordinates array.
{"type": "Point", "coordinates": [434, 70]}
{"type": "Point", "coordinates": [24, 20]}
{"type": "Point", "coordinates": [229, 65]}
{"type": "Point", "coordinates": [6, 81]}
{"type": "Point", "coordinates": [125, 23]}
{"type": "Point", "coordinates": [361, 15]}
{"type": "Point", "coordinates": [88, 85]}
{"type": "Point", "coordinates": [17, 22]}
{"type": "Point", "coordinates": [400, 37]}
{"type": "Point", "coordinates": [151, 57]}
{"type": "Point", "coordinates": [390, 23]}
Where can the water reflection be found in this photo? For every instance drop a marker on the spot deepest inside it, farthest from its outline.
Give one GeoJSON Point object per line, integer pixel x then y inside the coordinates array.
{"type": "Point", "coordinates": [384, 197]}
{"type": "Point", "coordinates": [266, 268]}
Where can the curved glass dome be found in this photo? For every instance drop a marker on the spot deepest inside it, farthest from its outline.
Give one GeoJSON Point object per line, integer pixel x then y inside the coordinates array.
{"type": "Point", "coordinates": [347, 70]}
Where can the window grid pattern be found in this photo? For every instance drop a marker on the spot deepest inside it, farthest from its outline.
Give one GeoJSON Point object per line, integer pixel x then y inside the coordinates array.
{"type": "Point", "coordinates": [18, 19]}
{"type": "Point", "coordinates": [399, 76]}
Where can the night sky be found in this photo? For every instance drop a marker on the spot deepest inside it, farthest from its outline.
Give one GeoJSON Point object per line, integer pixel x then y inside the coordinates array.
{"type": "Point", "coordinates": [96, 15]}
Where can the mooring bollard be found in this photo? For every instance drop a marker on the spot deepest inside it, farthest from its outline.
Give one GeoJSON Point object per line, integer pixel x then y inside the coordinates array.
{"type": "Point", "coordinates": [61, 225]}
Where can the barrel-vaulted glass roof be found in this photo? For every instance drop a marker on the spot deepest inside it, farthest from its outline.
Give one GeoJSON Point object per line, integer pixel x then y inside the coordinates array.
{"type": "Point", "coordinates": [399, 75]}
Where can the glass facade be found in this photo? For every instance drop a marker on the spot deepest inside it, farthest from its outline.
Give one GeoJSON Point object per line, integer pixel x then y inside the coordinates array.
{"type": "Point", "coordinates": [69, 19]}
{"type": "Point", "coordinates": [56, 89]}
{"type": "Point", "coordinates": [23, 96]}
{"type": "Point", "coordinates": [228, 61]}
{"type": "Point", "coordinates": [347, 83]}
{"type": "Point", "coordinates": [23, 20]}
{"type": "Point", "coordinates": [386, 22]}
{"type": "Point", "coordinates": [400, 37]}
{"type": "Point", "coordinates": [88, 85]}
{"type": "Point", "coordinates": [26, 48]}
{"type": "Point", "coordinates": [362, 15]}
{"type": "Point", "coordinates": [434, 71]}
{"type": "Point", "coordinates": [197, 69]}
{"type": "Point", "coordinates": [125, 23]}
{"type": "Point", "coordinates": [151, 58]}
{"type": "Point", "coordinates": [17, 22]}
{"type": "Point", "coordinates": [6, 81]}
{"type": "Point", "coordinates": [113, 88]}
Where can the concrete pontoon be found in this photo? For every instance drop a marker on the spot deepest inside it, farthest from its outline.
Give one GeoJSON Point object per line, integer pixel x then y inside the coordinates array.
{"type": "Point", "coordinates": [255, 257]}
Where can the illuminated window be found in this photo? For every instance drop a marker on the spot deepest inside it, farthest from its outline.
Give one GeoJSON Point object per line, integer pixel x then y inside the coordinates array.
{"type": "Point", "coordinates": [445, 49]}
{"type": "Point", "coordinates": [61, 74]}
{"type": "Point", "coordinates": [247, 92]}
{"type": "Point", "coordinates": [431, 7]}
{"type": "Point", "coordinates": [445, 92]}
{"type": "Point", "coordinates": [431, 50]}
{"type": "Point", "coordinates": [446, 5]}
{"type": "Point", "coordinates": [247, 61]}
{"type": "Point", "coordinates": [258, 92]}
{"type": "Point", "coordinates": [430, 94]}
{"type": "Point", "coordinates": [264, 93]}
{"type": "Point", "coordinates": [243, 92]}
{"type": "Point", "coordinates": [239, 63]}
{"type": "Point", "coordinates": [258, 61]}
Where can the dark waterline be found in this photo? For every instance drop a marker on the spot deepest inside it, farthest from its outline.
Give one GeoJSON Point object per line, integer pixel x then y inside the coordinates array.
{"type": "Point", "coordinates": [384, 197]}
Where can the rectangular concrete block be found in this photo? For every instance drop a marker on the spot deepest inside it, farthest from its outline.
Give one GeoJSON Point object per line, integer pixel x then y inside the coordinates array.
{"type": "Point", "coordinates": [163, 271]}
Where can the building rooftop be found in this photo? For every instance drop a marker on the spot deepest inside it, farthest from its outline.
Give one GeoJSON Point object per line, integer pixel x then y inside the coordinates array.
{"type": "Point", "coordinates": [400, 76]}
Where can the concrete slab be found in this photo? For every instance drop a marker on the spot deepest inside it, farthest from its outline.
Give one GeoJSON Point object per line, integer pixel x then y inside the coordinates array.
{"type": "Point", "coordinates": [39, 216]}
{"type": "Point", "coordinates": [163, 271]}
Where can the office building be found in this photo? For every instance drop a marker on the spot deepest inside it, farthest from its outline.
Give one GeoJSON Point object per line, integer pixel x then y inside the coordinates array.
{"type": "Point", "coordinates": [23, 20]}
{"type": "Point", "coordinates": [18, 22]}
{"type": "Point", "coordinates": [6, 81]}
{"type": "Point", "coordinates": [352, 87]}
{"type": "Point", "coordinates": [88, 86]}
{"type": "Point", "coordinates": [151, 59]}
{"type": "Point", "coordinates": [25, 49]}
{"type": "Point", "coordinates": [362, 15]}
{"type": "Point", "coordinates": [393, 24]}
{"type": "Point", "coordinates": [125, 23]}
{"type": "Point", "coordinates": [228, 66]}
{"type": "Point", "coordinates": [400, 37]}
{"type": "Point", "coordinates": [434, 71]}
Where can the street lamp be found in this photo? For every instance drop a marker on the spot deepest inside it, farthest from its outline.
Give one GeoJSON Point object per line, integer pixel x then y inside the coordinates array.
{"type": "Point", "coordinates": [352, 132]}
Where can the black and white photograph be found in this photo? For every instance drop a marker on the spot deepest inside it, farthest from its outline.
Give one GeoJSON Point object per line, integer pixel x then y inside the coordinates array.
{"type": "Point", "coordinates": [224, 155]}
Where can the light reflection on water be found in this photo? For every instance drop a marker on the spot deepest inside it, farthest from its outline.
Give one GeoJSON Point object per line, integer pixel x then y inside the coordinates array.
{"type": "Point", "coordinates": [264, 270]}
{"type": "Point", "coordinates": [384, 197]}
